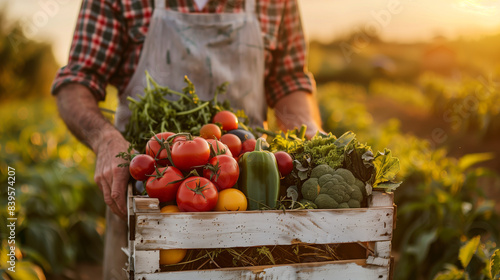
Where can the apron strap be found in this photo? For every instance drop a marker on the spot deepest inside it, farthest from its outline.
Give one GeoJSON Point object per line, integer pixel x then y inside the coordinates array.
{"type": "Point", "coordinates": [250, 6]}
{"type": "Point", "coordinates": [160, 4]}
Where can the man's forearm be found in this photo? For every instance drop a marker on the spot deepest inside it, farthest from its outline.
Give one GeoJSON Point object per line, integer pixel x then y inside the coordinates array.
{"type": "Point", "coordinates": [80, 111]}
{"type": "Point", "coordinates": [296, 109]}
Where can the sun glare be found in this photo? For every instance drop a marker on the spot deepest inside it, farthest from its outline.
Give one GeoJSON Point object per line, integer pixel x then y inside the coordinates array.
{"type": "Point", "coordinates": [483, 7]}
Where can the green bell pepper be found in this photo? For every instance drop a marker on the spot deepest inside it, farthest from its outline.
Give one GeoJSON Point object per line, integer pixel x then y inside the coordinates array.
{"type": "Point", "coordinates": [259, 178]}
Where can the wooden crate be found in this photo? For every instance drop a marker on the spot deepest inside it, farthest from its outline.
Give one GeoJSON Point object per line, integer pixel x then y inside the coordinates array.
{"type": "Point", "coordinates": [151, 230]}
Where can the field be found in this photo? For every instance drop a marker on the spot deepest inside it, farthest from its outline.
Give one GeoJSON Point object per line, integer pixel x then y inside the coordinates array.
{"type": "Point", "coordinates": [435, 105]}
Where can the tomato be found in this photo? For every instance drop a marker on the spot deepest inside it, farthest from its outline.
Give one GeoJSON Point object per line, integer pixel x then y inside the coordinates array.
{"type": "Point", "coordinates": [210, 131]}
{"type": "Point", "coordinates": [141, 166]}
{"type": "Point", "coordinates": [172, 256]}
{"type": "Point", "coordinates": [164, 184]}
{"type": "Point", "coordinates": [169, 209]}
{"type": "Point", "coordinates": [233, 143]}
{"type": "Point", "coordinates": [231, 200]}
{"type": "Point", "coordinates": [188, 154]}
{"type": "Point", "coordinates": [248, 145]}
{"type": "Point", "coordinates": [197, 194]}
{"type": "Point", "coordinates": [218, 148]}
{"type": "Point", "coordinates": [227, 119]}
{"type": "Point", "coordinates": [178, 139]}
{"type": "Point", "coordinates": [285, 162]}
{"type": "Point", "coordinates": [153, 148]}
{"type": "Point", "coordinates": [223, 171]}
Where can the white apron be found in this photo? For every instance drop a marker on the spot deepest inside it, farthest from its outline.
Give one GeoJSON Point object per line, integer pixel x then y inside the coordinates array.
{"type": "Point", "coordinates": [210, 49]}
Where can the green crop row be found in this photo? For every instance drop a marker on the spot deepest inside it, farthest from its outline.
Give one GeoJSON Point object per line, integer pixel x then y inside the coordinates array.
{"type": "Point", "coordinates": [441, 200]}
{"type": "Point", "coordinates": [59, 209]}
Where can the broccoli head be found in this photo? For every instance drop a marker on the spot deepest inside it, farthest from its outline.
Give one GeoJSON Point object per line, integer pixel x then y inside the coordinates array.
{"type": "Point", "coordinates": [310, 189]}
{"type": "Point", "coordinates": [330, 189]}
{"type": "Point", "coordinates": [321, 170]}
{"type": "Point", "coordinates": [361, 186]}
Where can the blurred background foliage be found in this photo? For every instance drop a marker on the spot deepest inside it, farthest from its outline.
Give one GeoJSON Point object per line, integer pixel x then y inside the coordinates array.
{"type": "Point", "coordinates": [435, 105]}
{"type": "Point", "coordinates": [59, 210]}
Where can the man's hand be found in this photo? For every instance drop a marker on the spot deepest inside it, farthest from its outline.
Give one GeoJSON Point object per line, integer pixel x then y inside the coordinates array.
{"type": "Point", "coordinates": [296, 109]}
{"type": "Point", "coordinates": [111, 179]}
{"type": "Point", "coordinates": [79, 109]}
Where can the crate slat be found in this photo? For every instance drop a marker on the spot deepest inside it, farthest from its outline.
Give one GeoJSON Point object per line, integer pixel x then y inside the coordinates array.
{"type": "Point", "coordinates": [336, 270]}
{"type": "Point", "coordinates": [380, 199]}
{"type": "Point", "coordinates": [259, 228]}
{"type": "Point", "coordinates": [383, 249]}
{"type": "Point", "coordinates": [151, 230]}
{"type": "Point", "coordinates": [147, 261]}
{"type": "Point", "coordinates": [146, 205]}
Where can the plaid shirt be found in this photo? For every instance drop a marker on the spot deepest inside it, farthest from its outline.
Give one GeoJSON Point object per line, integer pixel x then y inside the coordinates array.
{"type": "Point", "coordinates": [109, 36]}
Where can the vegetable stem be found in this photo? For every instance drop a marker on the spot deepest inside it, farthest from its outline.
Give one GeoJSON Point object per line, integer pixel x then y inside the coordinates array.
{"type": "Point", "coordinates": [148, 81]}
{"type": "Point", "coordinates": [133, 100]}
{"type": "Point", "coordinates": [302, 132]}
{"type": "Point", "coordinates": [265, 131]}
{"type": "Point", "coordinates": [179, 94]}
{"type": "Point", "coordinates": [107, 110]}
{"type": "Point", "coordinates": [193, 110]}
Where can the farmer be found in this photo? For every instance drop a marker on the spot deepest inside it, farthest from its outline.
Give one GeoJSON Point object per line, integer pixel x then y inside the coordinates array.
{"type": "Point", "coordinates": [256, 45]}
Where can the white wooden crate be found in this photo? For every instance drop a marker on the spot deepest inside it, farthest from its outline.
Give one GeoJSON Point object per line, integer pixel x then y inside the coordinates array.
{"type": "Point", "coordinates": [151, 231]}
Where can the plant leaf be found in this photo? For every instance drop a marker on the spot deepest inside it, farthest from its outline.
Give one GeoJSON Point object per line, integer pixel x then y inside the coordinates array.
{"type": "Point", "coordinates": [357, 159]}
{"type": "Point", "coordinates": [452, 274]}
{"type": "Point", "coordinates": [367, 157]}
{"type": "Point", "coordinates": [368, 189]}
{"type": "Point", "coordinates": [302, 175]}
{"type": "Point", "coordinates": [495, 264]}
{"type": "Point", "coordinates": [423, 243]}
{"type": "Point", "coordinates": [468, 250]}
{"type": "Point", "coordinates": [24, 270]}
{"type": "Point", "coordinates": [386, 168]}
{"type": "Point", "coordinates": [293, 193]}
{"type": "Point", "coordinates": [299, 166]}
{"type": "Point", "coordinates": [471, 159]}
{"type": "Point", "coordinates": [345, 139]}
{"type": "Point", "coordinates": [389, 186]}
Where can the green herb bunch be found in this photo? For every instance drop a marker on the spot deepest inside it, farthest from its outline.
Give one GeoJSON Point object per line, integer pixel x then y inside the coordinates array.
{"type": "Point", "coordinates": [155, 112]}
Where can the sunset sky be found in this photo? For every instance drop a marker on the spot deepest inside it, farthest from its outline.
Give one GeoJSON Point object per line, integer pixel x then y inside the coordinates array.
{"type": "Point", "coordinates": [405, 20]}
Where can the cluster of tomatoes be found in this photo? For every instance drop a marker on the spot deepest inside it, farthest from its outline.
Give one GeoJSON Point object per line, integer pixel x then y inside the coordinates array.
{"type": "Point", "coordinates": [170, 160]}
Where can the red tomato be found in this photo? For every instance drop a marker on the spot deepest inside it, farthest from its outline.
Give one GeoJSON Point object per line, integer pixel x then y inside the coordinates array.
{"type": "Point", "coordinates": [248, 146]}
{"type": "Point", "coordinates": [141, 166]}
{"type": "Point", "coordinates": [233, 143]}
{"type": "Point", "coordinates": [197, 194]}
{"type": "Point", "coordinates": [153, 148]}
{"type": "Point", "coordinates": [177, 139]}
{"type": "Point", "coordinates": [210, 131]}
{"type": "Point", "coordinates": [188, 154]}
{"type": "Point", "coordinates": [218, 148]}
{"type": "Point", "coordinates": [227, 119]}
{"type": "Point", "coordinates": [165, 184]}
{"type": "Point", "coordinates": [285, 162]}
{"type": "Point", "coordinates": [223, 171]}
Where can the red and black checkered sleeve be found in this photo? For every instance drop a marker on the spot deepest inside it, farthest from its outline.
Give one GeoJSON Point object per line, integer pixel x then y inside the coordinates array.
{"type": "Point", "coordinates": [96, 48]}
{"type": "Point", "coordinates": [289, 72]}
